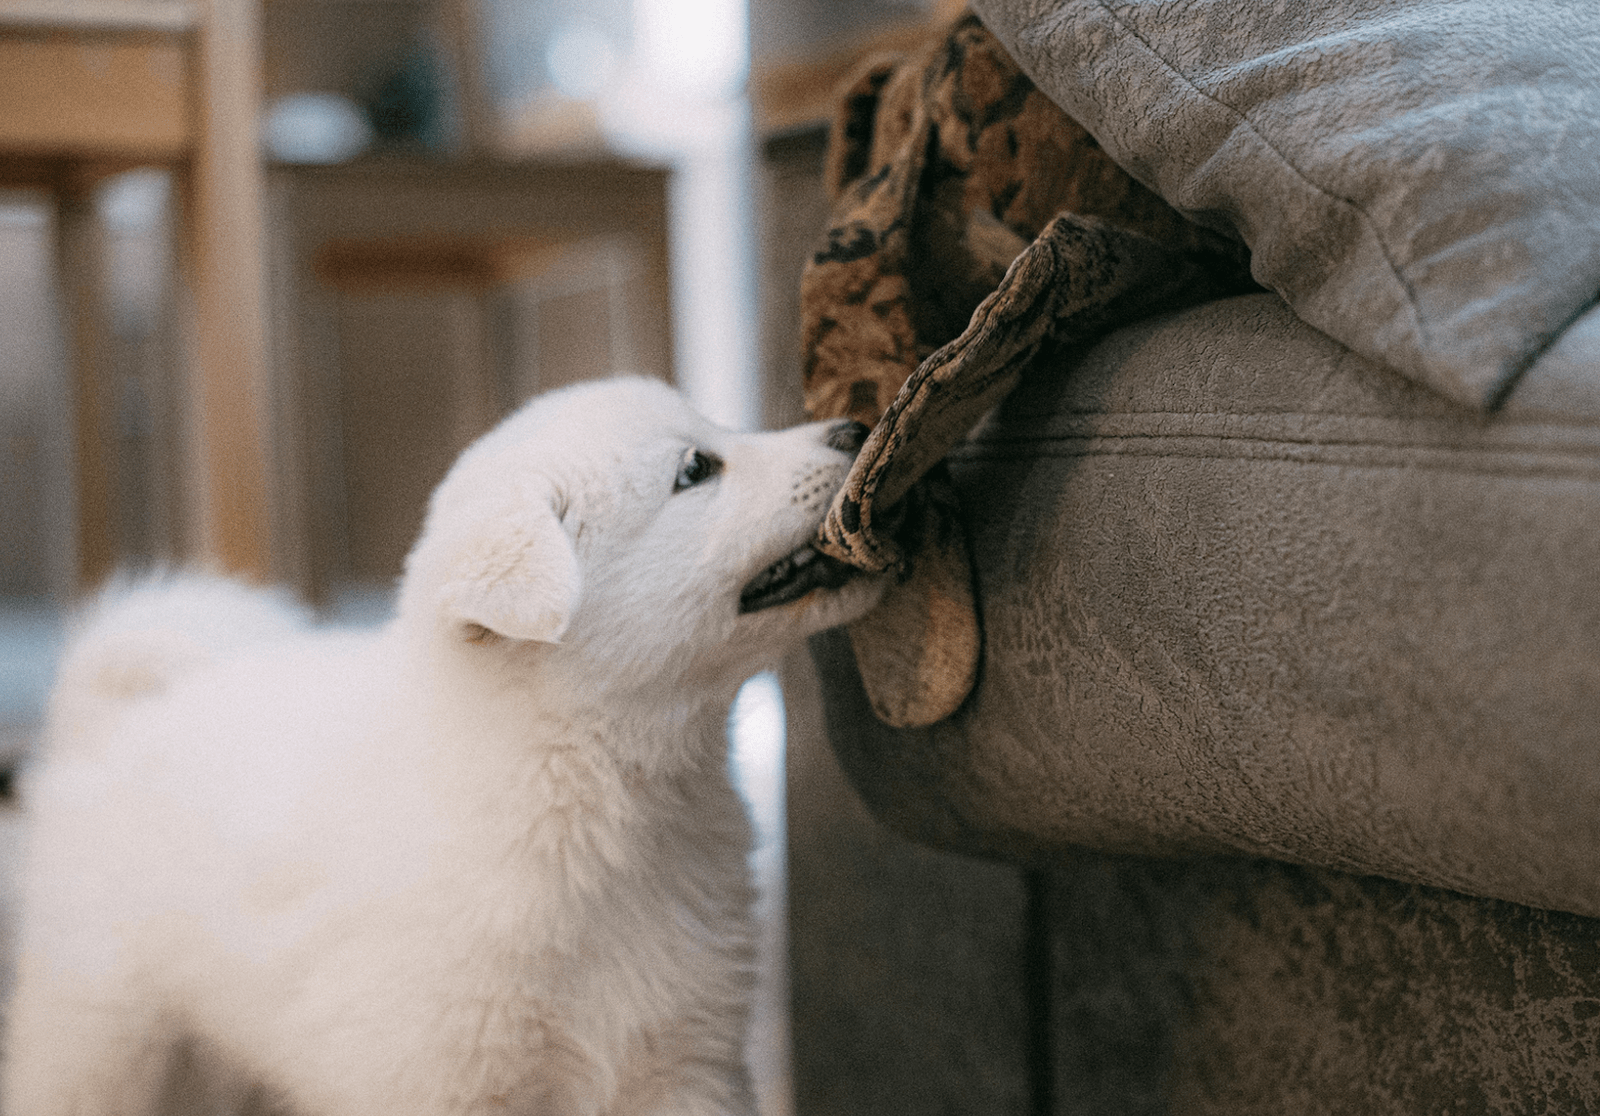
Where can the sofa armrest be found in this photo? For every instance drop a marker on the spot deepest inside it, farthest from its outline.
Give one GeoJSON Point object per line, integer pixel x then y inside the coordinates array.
{"type": "Point", "coordinates": [1246, 592]}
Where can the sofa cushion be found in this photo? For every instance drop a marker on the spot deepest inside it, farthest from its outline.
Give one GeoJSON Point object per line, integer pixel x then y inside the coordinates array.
{"type": "Point", "coordinates": [1417, 178]}
{"type": "Point", "coordinates": [1245, 591]}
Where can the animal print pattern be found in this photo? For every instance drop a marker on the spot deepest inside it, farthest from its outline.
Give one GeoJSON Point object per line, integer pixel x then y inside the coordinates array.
{"type": "Point", "coordinates": [974, 223]}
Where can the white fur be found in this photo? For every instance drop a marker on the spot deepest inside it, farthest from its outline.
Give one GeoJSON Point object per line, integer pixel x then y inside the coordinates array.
{"type": "Point", "coordinates": [485, 859]}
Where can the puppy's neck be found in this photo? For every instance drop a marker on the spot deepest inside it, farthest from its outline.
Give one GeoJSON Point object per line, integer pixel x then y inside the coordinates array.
{"type": "Point", "coordinates": [532, 699]}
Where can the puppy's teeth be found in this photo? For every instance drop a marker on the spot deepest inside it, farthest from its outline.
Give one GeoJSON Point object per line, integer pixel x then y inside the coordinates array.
{"type": "Point", "coordinates": [791, 577]}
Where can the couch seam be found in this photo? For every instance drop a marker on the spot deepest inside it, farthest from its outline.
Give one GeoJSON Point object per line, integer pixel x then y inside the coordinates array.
{"type": "Point", "coordinates": [1503, 423]}
{"type": "Point", "coordinates": [1144, 445]}
{"type": "Point", "coordinates": [1528, 428]}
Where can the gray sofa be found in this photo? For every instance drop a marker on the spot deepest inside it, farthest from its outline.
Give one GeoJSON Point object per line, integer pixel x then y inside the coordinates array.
{"type": "Point", "coordinates": [1283, 767]}
{"type": "Point", "coordinates": [1288, 717]}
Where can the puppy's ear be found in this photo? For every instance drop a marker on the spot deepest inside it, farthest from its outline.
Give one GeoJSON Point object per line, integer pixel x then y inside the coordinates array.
{"type": "Point", "coordinates": [515, 574]}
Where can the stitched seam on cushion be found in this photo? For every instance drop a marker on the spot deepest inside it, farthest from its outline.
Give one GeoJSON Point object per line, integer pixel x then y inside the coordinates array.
{"type": "Point", "coordinates": [977, 446]}
{"type": "Point", "coordinates": [1405, 286]}
{"type": "Point", "coordinates": [1506, 434]}
{"type": "Point", "coordinates": [1203, 447]}
{"type": "Point", "coordinates": [1590, 452]}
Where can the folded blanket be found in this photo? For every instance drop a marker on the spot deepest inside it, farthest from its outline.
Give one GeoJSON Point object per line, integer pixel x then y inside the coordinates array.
{"type": "Point", "coordinates": [1415, 178]}
{"type": "Point", "coordinates": [974, 224]}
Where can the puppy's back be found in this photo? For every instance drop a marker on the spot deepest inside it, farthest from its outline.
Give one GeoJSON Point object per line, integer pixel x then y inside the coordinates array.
{"type": "Point", "coordinates": [139, 637]}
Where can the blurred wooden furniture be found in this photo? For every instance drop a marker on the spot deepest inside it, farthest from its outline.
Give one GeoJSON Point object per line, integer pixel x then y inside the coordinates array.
{"type": "Point", "coordinates": [89, 88]}
{"type": "Point", "coordinates": [415, 301]}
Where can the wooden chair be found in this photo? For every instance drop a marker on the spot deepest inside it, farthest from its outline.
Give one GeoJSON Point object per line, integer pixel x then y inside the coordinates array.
{"type": "Point", "coordinates": [89, 88]}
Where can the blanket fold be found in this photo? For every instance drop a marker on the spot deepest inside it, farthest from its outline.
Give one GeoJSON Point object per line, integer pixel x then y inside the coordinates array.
{"type": "Point", "coordinates": [974, 224]}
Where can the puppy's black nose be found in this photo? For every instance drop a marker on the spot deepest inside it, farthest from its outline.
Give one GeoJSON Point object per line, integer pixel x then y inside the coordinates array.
{"type": "Point", "coordinates": [848, 436]}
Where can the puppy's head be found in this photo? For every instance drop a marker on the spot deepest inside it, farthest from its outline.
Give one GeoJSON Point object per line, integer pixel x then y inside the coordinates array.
{"type": "Point", "coordinates": [611, 528]}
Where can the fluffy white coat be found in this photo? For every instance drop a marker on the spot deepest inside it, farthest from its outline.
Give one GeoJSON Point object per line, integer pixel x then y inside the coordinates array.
{"type": "Point", "coordinates": [486, 859]}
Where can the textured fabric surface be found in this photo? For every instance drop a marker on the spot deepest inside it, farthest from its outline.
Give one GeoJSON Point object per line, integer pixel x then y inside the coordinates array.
{"type": "Point", "coordinates": [955, 181]}
{"type": "Point", "coordinates": [1417, 178]}
{"type": "Point", "coordinates": [1245, 591]}
{"type": "Point", "coordinates": [1248, 988]}
{"type": "Point", "coordinates": [1075, 281]}
{"type": "Point", "coordinates": [941, 167]}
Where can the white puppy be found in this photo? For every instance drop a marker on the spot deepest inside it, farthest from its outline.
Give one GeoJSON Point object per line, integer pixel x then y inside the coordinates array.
{"type": "Point", "coordinates": [485, 859]}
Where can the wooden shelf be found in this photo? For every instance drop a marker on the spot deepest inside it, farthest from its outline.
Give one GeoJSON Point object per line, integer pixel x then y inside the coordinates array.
{"type": "Point", "coordinates": [165, 16]}
{"type": "Point", "coordinates": [105, 99]}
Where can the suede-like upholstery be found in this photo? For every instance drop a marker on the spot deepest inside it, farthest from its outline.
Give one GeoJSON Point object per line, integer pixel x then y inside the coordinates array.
{"type": "Point", "coordinates": [1253, 988]}
{"type": "Point", "coordinates": [1250, 599]}
{"type": "Point", "coordinates": [1244, 591]}
{"type": "Point", "coordinates": [1415, 177]}
{"type": "Point", "coordinates": [1289, 696]}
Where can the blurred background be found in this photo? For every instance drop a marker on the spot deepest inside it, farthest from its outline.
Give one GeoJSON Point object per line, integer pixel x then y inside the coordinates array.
{"type": "Point", "coordinates": [266, 266]}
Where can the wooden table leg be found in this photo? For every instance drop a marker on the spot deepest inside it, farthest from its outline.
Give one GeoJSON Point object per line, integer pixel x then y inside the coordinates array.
{"type": "Point", "coordinates": [80, 266]}
{"type": "Point", "coordinates": [221, 264]}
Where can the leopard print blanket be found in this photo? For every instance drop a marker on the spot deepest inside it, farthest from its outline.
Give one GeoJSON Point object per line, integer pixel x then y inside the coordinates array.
{"type": "Point", "coordinates": [974, 223]}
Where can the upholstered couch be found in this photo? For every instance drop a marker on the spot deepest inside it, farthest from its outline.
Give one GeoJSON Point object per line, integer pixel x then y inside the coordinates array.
{"type": "Point", "coordinates": [1283, 766]}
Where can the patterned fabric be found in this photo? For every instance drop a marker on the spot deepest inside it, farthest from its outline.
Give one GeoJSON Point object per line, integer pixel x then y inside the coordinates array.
{"type": "Point", "coordinates": [974, 223]}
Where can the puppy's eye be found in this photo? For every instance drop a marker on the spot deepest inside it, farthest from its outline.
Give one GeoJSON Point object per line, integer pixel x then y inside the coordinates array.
{"type": "Point", "coordinates": [695, 467]}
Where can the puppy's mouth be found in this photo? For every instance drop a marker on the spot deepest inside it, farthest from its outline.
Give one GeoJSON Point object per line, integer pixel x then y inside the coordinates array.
{"type": "Point", "coordinates": [792, 577]}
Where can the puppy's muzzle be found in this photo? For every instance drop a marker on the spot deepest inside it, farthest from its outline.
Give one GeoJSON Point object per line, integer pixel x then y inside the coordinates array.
{"type": "Point", "coordinates": [807, 569]}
